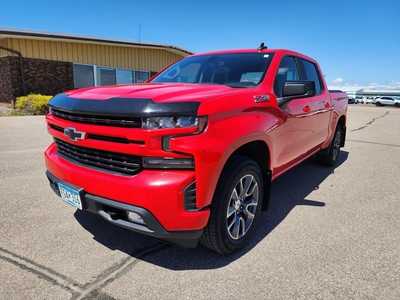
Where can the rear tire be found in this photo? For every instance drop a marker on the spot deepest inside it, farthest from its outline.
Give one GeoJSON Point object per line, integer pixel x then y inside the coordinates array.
{"type": "Point", "coordinates": [330, 156]}
{"type": "Point", "coordinates": [236, 206]}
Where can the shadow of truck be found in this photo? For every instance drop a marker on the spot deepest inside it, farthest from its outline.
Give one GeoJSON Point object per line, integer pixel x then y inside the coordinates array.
{"type": "Point", "coordinates": [288, 191]}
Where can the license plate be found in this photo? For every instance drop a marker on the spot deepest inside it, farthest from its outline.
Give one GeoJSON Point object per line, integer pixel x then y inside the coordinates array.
{"type": "Point", "coordinates": [70, 195]}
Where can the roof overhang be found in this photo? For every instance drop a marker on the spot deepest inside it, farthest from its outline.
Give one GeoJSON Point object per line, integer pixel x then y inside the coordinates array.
{"type": "Point", "coordinates": [7, 33]}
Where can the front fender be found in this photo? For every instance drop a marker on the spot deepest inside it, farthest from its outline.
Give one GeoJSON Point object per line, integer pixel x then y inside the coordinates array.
{"type": "Point", "coordinates": [223, 136]}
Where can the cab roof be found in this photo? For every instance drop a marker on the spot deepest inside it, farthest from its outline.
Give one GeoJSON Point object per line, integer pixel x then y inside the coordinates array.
{"type": "Point", "coordinates": [275, 51]}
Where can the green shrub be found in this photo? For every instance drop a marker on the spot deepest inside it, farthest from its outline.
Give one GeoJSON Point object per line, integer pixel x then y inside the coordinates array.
{"type": "Point", "coordinates": [34, 104]}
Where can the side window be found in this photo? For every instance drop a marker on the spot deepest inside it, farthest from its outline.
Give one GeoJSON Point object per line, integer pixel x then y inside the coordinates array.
{"type": "Point", "coordinates": [287, 72]}
{"type": "Point", "coordinates": [311, 73]}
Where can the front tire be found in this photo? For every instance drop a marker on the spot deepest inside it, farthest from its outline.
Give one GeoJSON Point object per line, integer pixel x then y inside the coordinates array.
{"type": "Point", "coordinates": [236, 206]}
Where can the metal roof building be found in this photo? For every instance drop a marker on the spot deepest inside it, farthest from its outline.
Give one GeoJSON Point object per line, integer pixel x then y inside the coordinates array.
{"type": "Point", "coordinates": [48, 63]}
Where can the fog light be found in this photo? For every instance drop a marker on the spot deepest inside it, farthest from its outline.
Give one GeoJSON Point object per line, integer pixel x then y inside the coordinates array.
{"type": "Point", "coordinates": [135, 218]}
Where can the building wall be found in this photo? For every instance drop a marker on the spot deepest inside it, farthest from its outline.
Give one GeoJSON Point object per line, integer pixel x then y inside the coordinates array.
{"type": "Point", "coordinates": [6, 88]}
{"type": "Point", "coordinates": [39, 76]}
{"type": "Point", "coordinates": [3, 43]}
{"type": "Point", "coordinates": [129, 57]}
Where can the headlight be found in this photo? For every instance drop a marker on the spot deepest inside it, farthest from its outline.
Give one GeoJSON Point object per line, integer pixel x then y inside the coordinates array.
{"type": "Point", "coordinates": [173, 122]}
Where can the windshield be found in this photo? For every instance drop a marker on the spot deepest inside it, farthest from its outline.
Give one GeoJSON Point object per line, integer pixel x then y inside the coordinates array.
{"type": "Point", "coordinates": [235, 70]}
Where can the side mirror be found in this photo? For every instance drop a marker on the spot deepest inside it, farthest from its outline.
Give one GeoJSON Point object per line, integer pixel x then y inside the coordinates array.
{"type": "Point", "coordinates": [296, 89]}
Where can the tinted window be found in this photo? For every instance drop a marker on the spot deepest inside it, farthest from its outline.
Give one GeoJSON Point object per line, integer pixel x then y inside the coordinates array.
{"type": "Point", "coordinates": [287, 72]}
{"type": "Point", "coordinates": [83, 76]}
{"type": "Point", "coordinates": [141, 76]}
{"type": "Point", "coordinates": [311, 73]}
{"type": "Point", "coordinates": [124, 76]}
{"type": "Point", "coordinates": [236, 69]}
{"type": "Point", "coordinates": [106, 76]}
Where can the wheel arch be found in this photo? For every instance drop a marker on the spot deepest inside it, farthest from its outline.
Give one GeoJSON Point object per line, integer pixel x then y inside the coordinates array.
{"type": "Point", "coordinates": [259, 151]}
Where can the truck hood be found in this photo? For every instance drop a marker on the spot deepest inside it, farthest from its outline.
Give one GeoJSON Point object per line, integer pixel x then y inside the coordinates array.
{"type": "Point", "coordinates": [165, 92]}
{"type": "Point", "coordinates": [139, 100]}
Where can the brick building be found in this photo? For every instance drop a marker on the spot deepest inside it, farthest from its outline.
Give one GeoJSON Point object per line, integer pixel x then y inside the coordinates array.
{"type": "Point", "coordinates": [33, 62]}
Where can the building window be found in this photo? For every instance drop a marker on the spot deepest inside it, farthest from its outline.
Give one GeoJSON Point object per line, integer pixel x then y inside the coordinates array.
{"type": "Point", "coordinates": [92, 75]}
{"type": "Point", "coordinates": [105, 76]}
{"type": "Point", "coordinates": [141, 76]}
{"type": "Point", "coordinates": [83, 75]}
{"type": "Point", "coordinates": [124, 76]}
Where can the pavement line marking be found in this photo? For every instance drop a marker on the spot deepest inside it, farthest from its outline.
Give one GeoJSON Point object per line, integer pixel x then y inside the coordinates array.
{"type": "Point", "coordinates": [43, 272]}
{"type": "Point", "coordinates": [119, 270]}
{"type": "Point", "coordinates": [374, 143]}
{"type": "Point", "coordinates": [370, 122]}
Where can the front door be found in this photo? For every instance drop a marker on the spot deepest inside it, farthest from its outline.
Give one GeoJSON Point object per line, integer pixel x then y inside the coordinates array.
{"type": "Point", "coordinates": [291, 139]}
{"type": "Point", "coordinates": [306, 120]}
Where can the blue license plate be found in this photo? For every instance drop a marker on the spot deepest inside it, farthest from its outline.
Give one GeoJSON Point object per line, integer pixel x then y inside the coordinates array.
{"type": "Point", "coordinates": [70, 195]}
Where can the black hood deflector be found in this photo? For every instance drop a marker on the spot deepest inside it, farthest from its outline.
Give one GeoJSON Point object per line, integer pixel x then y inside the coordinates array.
{"type": "Point", "coordinates": [122, 107]}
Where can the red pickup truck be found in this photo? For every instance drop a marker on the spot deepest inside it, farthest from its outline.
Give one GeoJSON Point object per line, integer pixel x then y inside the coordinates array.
{"type": "Point", "coordinates": [190, 155]}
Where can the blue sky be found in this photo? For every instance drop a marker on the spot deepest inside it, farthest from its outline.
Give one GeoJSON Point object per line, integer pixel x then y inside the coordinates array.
{"type": "Point", "coordinates": [356, 42]}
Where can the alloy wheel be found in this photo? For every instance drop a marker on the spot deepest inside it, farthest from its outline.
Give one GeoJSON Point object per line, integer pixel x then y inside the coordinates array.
{"type": "Point", "coordinates": [242, 207]}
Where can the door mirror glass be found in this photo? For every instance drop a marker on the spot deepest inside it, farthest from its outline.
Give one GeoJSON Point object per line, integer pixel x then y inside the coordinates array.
{"type": "Point", "coordinates": [298, 89]}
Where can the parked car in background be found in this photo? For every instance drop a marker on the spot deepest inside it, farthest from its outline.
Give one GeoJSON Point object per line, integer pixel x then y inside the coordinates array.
{"type": "Point", "coordinates": [351, 101]}
{"type": "Point", "coordinates": [381, 101]}
{"type": "Point", "coordinates": [359, 100]}
{"type": "Point", "coordinates": [369, 100]}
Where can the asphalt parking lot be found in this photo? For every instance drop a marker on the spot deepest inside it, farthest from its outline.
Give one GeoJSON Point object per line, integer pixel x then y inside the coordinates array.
{"type": "Point", "coordinates": [330, 234]}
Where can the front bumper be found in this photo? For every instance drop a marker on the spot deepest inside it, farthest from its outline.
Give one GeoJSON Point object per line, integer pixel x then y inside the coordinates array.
{"type": "Point", "coordinates": [117, 214]}
{"type": "Point", "coordinates": [160, 192]}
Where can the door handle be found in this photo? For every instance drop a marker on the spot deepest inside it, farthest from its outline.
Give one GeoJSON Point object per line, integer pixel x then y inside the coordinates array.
{"type": "Point", "coordinates": [307, 109]}
{"type": "Point", "coordinates": [327, 105]}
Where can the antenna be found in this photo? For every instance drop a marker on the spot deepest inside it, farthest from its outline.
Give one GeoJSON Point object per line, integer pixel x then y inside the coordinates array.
{"type": "Point", "coordinates": [140, 33]}
{"type": "Point", "coordinates": [262, 46]}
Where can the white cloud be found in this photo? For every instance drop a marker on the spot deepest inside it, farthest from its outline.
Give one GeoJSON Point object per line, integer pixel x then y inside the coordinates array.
{"type": "Point", "coordinates": [338, 80]}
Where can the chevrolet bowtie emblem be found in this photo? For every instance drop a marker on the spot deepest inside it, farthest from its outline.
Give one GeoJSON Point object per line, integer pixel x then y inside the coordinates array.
{"type": "Point", "coordinates": [73, 134]}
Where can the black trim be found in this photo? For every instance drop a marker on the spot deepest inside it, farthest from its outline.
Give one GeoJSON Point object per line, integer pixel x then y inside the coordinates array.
{"type": "Point", "coordinates": [122, 107]}
{"type": "Point", "coordinates": [113, 139]}
{"type": "Point", "coordinates": [116, 213]}
{"type": "Point", "coordinates": [189, 197]}
{"type": "Point", "coordinates": [105, 161]}
{"type": "Point", "coordinates": [129, 122]}
{"type": "Point", "coordinates": [107, 138]}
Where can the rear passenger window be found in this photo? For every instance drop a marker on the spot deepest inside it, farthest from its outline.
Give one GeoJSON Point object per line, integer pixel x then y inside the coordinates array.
{"type": "Point", "coordinates": [311, 73]}
{"type": "Point", "coordinates": [287, 72]}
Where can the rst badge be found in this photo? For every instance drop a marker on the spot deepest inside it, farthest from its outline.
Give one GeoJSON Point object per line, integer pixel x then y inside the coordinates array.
{"type": "Point", "coordinates": [73, 134]}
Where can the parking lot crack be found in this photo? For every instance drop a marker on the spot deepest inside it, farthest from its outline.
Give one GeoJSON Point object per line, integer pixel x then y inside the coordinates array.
{"type": "Point", "coordinates": [374, 143]}
{"type": "Point", "coordinates": [370, 122]}
{"type": "Point", "coordinates": [42, 272]}
{"type": "Point", "coordinates": [117, 271]}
